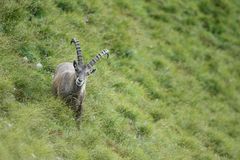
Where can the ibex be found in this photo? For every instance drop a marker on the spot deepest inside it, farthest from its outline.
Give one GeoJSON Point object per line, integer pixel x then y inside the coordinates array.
{"type": "Point", "coordinates": [70, 79]}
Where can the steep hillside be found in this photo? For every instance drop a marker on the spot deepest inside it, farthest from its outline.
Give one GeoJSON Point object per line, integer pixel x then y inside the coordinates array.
{"type": "Point", "coordinates": [170, 89]}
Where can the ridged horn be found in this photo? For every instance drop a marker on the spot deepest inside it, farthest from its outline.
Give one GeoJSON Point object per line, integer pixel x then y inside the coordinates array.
{"type": "Point", "coordinates": [78, 49]}
{"type": "Point", "coordinates": [98, 57]}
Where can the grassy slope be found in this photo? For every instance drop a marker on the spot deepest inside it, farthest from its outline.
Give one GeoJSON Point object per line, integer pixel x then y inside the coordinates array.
{"type": "Point", "coordinates": [169, 91]}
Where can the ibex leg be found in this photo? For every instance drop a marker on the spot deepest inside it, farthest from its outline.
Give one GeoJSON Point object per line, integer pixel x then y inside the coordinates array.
{"type": "Point", "coordinates": [79, 111]}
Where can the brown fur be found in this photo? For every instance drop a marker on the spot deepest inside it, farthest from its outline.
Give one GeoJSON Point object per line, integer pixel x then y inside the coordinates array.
{"type": "Point", "coordinates": [64, 87]}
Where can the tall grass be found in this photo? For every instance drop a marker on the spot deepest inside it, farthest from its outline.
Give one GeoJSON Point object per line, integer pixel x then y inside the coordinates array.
{"type": "Point", "coordinates": [170, 89]}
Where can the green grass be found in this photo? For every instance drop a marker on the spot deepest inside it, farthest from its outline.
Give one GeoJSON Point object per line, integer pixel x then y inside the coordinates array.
{"type": "Point", "coordinates": [170, 89]}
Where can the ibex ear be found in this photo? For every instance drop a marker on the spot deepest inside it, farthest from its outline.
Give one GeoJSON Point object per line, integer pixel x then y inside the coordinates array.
{"type": "Point", "coordinates": [91, 71]}
{"type": "Point", "coordinates": [75, 65]}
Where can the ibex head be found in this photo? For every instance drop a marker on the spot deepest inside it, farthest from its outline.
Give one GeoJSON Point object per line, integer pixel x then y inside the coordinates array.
{"type": "Point", "coordinates": [83, 70]}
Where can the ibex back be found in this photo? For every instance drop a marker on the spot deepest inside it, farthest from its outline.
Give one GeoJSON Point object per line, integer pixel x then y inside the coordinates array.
{"type": "Point", "coordinates": [70, 79]}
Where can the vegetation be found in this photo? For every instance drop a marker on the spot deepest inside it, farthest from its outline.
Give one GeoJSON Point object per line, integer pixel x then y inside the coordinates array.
{"type": "Point", "coordinates": [170, 89]}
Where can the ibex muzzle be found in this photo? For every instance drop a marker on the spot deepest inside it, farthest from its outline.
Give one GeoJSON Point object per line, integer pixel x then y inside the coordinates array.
{"type": "Point", "coordinates": [70, 79]}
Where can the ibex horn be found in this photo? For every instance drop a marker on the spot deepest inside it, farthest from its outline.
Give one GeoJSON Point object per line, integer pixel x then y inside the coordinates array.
{"type": "Point", "coordinates": [98, 57]}
{"type": "Point", "coordinates": [78, 49]}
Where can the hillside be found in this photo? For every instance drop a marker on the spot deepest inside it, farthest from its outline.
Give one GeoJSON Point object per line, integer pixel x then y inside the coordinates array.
{"type": "Point", "coordinates": [170, 89]}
